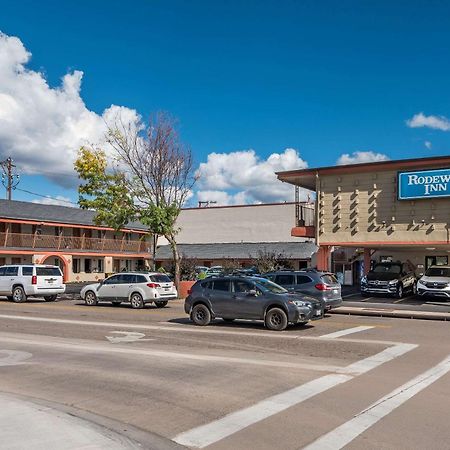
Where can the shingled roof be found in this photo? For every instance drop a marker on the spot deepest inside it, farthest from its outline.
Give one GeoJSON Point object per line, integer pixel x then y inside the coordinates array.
{"type": "Point", "coordinates": [239, 250]}
{"type": "Point", "coordinates": [36, 212]}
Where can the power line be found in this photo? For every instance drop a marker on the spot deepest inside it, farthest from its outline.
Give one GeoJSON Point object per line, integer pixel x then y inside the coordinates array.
{"type": "Point", "coordinates": [9, 179]}
{"type": "Point", "coordinates": [47, 196]}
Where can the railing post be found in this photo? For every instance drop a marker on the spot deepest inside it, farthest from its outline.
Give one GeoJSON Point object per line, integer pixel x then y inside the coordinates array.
{"type": "Point", "coordinates": [6, 234]}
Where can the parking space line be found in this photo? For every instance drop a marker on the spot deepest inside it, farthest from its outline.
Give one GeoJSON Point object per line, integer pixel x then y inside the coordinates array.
{"type": "Point", "coordinates": [347, 432]}
{"type": "Point", "coordinates": [351, 295]}
{"type": "Point", "coordinates": [340, 333]}
{"type": "Point", "coordinates": [217, 430]}
{"type": "Point", "coordinates": [402, 299]}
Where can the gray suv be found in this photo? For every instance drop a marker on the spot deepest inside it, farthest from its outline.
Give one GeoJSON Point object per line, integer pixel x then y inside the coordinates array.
{"type": "Point", "coordinates": [254, 298]}
{"type": "Point", "coordinates": [321, 285]}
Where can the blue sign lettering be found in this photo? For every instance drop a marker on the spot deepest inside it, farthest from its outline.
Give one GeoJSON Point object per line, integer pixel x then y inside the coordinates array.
{"type": "Point", "coordinates": [424, 184]}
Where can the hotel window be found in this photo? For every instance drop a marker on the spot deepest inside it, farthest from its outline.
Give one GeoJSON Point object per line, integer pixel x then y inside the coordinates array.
{"type": "Point", "coordinates": [76, 265]}
{"type": "Point", "coordinates": [87, 265]}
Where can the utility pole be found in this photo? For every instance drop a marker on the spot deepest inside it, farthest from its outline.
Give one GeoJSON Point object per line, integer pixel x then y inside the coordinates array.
{"type": "Point", "coordinates": [9, 179]}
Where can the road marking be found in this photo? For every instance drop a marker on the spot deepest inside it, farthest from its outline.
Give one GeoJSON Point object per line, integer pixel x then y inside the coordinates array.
{"type": "Point", "coordinates": [13, 357]}
{"type": "Point", "coordinates": [126, 336]}
{"type": "Point", "coordinates": [365, 299]}
{"type": "Point", "coordinates": [347, 432]}
{"type": "Point", "coordinates": [212, 432]}
{"type": "Point", "coordinates": [79, 346]}
{"type": "Point", "coordinates": [340, 333]}
{"type": "Point", "coordinates": [351, 295]}
{"type": "Point", "coordinates": [402, 299]}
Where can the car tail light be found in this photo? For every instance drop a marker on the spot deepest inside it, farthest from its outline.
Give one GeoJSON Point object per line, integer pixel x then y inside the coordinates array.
{"type": "Point", "coordinates": [153, 285]}
{"type": "Point", "coordinates": [34, 279]}
{"type": "Point", "coordinates": [189, 291]}
{"type": "Point", "coordinates": [322, 287]}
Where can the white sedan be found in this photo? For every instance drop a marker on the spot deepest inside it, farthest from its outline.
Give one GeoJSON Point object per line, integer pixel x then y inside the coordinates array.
{"type": "Point", "coordinates": [137, 288]}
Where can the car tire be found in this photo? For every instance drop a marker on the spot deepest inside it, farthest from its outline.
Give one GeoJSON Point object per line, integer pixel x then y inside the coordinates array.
{"type": "Point", "coordinates": [276, 319]}
{"type": "Point", "coordinates": [136, 300]}
{"type": "Point", "coordinates": [50, 298]}
{"type": "Point", "coordinates": [9, 297]}
{"type": "Point", "coordinates": [18, 295]}
{"type": "Point", "coordinates": [201, 315]}
{"type": "Point", "coordinates": [90, 298]}
{"type": "Point", "coordinates": [227, 320]}
{"type": "Point", "coordinates": [161, 304]}
{"type": "Point", "coordinates": [116, 303]}
{"type": "Point", "coordinates": [399, 293]}
{"type": "Point", "coordinates": [302, 324]}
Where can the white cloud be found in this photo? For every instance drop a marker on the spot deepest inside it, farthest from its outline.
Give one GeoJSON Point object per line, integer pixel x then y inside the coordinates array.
{"type": "Point", "coordinates": [435, 122]}
{"type": "Point", "coordinates": [361, 157]}
{"type": "Point", "coordinates": [58, 200]}
{"type": "Point", "coordinates": [42, 127]}
{"type": "Point", "coordinates": [428, 144]}
{"type": "Point", "coordinates": [242, 177]}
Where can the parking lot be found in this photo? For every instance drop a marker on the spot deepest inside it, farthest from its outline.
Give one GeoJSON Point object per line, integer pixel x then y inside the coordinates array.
{"type": "Point", "coordinates": [159, 382]}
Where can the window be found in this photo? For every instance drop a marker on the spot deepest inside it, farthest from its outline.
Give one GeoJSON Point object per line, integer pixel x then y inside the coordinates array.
{"type": "Point", "coordinates": [438, 272]}
{"type": "Point", "coordinates": [329, 279]}
{"type": "Point", "coordinates": [76, 265]}
{"type": "Point", "coordinates": [27, 271]}
{"type": "Point", "coordinates": [206, 285]}
{"type": "Point", "coordinates": [272, 287]}
{"type": "Point", "coordinates": [126, 279]}
{"type": "Point", "coordinates": [284, 279]}
{"type": "Point", "coordinates": [221, 285]}
{"type": "Point", "coordinates": [303, 279]}
{"type": "Point", "coordinates": [112, 280]}
{"type": "Point", "coordinates": [48, 271]}
{"type": "Point", "coordinates": [243, 286]}
{"type": "Point", "coordinates": [12, 271]}
{"type": "Point", "coordinates": [88, 265]}
{"type": "Point", "coordinates": [139, 279]}
{"type": "Point", "coordinates": [160, 278]}
{"type": "Point", "coordinates": [387, 268]}
{"type": "Point", "coordinates": [2, 271]}
{"type": "Point", "coordinates": [99, 265]}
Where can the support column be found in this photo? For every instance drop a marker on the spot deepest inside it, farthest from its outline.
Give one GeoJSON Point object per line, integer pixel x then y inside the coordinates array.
{"type": "Point", "coordinates": [323, 258]}
{"type": "Point", "coordinates": [367, 258]}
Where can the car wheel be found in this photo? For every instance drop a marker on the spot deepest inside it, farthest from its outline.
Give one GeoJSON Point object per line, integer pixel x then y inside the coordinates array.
{"type": "Point", "coordinates": [90, 298]}
{"type": "Point", "coordinates": [50, 298]}
{"type": "Point", "coordinates": [201, 315]}
{"type": "Point", "coordinates": [116, 303]}
{"type": "Point", "coordinates": [399, 293]}
{"type": "Point", "coordinates": [227, 320]}
{"type": "Point", "coordinates": [9, 297]}
{"type": "Point", "coordinates": [18, 295]}
{"type": "Point", "coordinates": [161, 304]}
{"type": "Point", "coordinates": [137, 302]}
{"type": "Point", "coordinates": [276, 319]}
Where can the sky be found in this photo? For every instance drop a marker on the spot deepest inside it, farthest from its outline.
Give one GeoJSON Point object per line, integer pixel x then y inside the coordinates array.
{"type": "Point", "coordinates": [256, 86]}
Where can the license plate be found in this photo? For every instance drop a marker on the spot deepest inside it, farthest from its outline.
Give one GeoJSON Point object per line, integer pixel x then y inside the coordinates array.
{"type": "Point", "coordinates": [50, 281]}
{"type": "Point", "coordinates": [167, 289]}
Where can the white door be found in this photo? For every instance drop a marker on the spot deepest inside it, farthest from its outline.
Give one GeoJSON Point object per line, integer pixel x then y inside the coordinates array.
{"type": "Point", "coordinates": [4, 282]}
{"type": "Point", "coordinates": [107, 290]}
{"type": "Point", "coordinates": [124, 287]}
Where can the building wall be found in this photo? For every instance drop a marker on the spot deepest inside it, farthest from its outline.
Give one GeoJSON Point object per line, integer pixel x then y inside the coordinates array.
{"type": "Point", "coordinates": [363, 207]}
{"type": "Point", "coordinates": [249, 223]}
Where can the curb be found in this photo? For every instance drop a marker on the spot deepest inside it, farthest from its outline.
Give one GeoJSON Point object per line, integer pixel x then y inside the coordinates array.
{"type": "Point", "coordinates": [399, 313]}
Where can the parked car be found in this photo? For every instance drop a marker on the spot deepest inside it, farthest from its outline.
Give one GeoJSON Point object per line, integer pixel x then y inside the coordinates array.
{"type": "Point", "coordinates": [20, 281]}
{"type": "Point", "coordinates": [392, 278]}
{"type": "Point", "coordinates": [234, 297]}
{"type": "Point", "coordinates": [137, 288]}
{"type": "Point", "coordinates": [321, 285]}
{"type": "Point", "coordinates": [214, 271]}
{"type": "Point", "coordinates": [435, 282]}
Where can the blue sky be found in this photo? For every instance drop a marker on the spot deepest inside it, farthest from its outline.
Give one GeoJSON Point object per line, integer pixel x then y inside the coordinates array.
{"type": "Point", "coordinates": [323, 78]}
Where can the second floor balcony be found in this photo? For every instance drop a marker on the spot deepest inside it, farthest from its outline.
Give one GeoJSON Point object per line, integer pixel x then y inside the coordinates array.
{"type": "Point", "coordinates": [71, 243]}
{"type": "Point", "coordinates": [304, 221]}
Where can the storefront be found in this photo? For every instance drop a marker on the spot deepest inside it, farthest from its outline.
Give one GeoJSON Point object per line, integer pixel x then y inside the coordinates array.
{"type": "Point", "coordinates": [382, 211]}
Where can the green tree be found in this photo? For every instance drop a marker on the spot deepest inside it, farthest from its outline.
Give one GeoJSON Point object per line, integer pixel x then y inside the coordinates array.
{"type": "Point", "coordinates": [149, 178]}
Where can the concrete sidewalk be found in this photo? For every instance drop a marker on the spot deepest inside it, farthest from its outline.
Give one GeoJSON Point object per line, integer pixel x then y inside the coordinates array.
{"type": "Point", "coordinates": [26, 425]}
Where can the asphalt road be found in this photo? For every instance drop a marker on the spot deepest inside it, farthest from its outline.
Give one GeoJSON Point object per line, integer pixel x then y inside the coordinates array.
{"type": "Point", "coordinates": [157, 381]}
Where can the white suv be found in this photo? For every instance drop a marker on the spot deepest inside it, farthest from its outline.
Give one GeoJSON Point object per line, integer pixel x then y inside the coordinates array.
{"type": "Point", "coordinates": [435, 282]}
{"type": "Point", "coordinates": [17, 282]}
{"type": "Point", "coordinates": [137, 288]}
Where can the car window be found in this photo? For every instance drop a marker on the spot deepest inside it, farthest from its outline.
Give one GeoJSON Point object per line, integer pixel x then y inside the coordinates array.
{"type": "Point", "coordinates": [243, 286]}
{"type": "Point", "coordinates": [12, 271]}
{"type": "Point", "coordinates": [328, 279]}
{"type": "Point", "coordinates": [284, 279]}
{"type": "Point", "coordinates": [221, 285]}
{"type": "Point", "coordinates": [438, 272]}
{"type": "Point", "coordinates": [126, 279]}
{"type": "Point", "coordinates": [139, 279]}
{"type": "Point", "coordinates": [2, 271]}
{"type": "Point", "coordinates": [206, 285]}
{"type": "Point", "coordinates": [27, 271]}
{"type": "Point", "coordinates": [160, 278]}
{"type": "Point", "coordinates": [388, 268]}
{"type": "Point", "coordinates": [48, 271]}
{"type": "Point", "coordinates": [272, 287]}
{"type": "Point", "coordinates": [112, 280]}
{"type": "Point", "coordinates": [303, 279]}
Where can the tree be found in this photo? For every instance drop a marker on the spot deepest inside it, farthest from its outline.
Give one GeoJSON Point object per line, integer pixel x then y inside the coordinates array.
{"type": "Point", "coordinates": [267, 261]}
{"type": "Point", "coordinates": [150, 179]}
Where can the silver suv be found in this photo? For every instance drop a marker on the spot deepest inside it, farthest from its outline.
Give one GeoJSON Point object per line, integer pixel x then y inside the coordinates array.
{"type": "Point", "coordinates": [321, 285]}
{"type": "Point", "coordinates": [435, 282]}
{"type": "Point", "coordinates": [18, 282]}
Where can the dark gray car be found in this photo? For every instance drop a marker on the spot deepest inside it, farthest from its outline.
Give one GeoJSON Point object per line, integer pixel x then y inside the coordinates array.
{"type": "Point", "coordinates": [321, 285]}
{"type": "Point", "coordinates": [234, 297]}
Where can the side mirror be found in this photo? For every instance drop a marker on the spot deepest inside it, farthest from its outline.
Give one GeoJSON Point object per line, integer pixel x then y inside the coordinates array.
{"type": "Point", "coordinates": [252, 293]}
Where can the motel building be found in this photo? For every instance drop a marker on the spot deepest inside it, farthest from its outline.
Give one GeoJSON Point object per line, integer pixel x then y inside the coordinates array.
{"type": "Point", "coordinates": [68, 237]}
{"type": "Point", "coordinates": [376, 212]}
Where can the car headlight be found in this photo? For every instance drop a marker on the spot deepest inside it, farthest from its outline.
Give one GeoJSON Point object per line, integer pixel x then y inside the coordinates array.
{"type": "Point", "coordinates": [420, 282]}
{"type": "Point", "coordinates": [393, 282]}
{"type": "Point", "coordinates": [364, 280]}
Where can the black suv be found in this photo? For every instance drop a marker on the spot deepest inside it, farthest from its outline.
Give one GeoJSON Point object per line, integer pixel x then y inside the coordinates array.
{"type": "Point", "coordinates": [254, 298]}
{"type": "Point", "coordinates": [389, 278]}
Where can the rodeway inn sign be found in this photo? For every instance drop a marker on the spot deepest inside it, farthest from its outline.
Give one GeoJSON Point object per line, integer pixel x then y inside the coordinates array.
{"type": "Point", "coordinates": [424, 184]}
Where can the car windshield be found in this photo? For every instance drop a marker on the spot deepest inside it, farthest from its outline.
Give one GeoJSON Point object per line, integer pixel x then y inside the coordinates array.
{"type": "Point", "coordinates": [48, 271]}
{"type": "Point", "coordinates": [438, 272]}
{"type": "Point", "coordinates": [272, 287]}
{"type": "Point", "coordinates": [387, 268]}
{"type": "Point", "coordinates": [160, 278]}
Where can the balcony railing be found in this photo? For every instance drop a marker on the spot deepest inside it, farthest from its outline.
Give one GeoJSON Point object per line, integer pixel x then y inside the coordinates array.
{"type": "Point", "coordinates": [49, 242]}
{"type": "Point", "coordinates": [304, 215]}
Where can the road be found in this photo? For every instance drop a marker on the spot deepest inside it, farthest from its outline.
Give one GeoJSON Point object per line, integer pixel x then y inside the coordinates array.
{"type": "Point", "coordinates": [156, 381]}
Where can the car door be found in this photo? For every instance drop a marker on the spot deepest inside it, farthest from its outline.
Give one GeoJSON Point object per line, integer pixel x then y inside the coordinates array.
{"type": "Point", "coordinates": [124, 286]}
{"type": "Point", "coordinates": [10, 278]}
{"type": "Point", "coordinates": [107, 290]}
{"type": "Point", "coordinates": [220, 297]}
{"type": "Point", "coordinates": [3, 282]}
{"type": "Point", "coordinates": [304, 284]}
{"type": "Point", "coordinates": [286, 280]}
{"type": "Point", "coordinates": [246, 304]}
